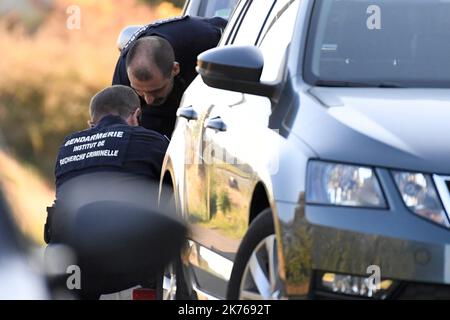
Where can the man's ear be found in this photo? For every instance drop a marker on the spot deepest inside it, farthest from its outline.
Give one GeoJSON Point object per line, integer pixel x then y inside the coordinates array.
{"type": "Point", "coordinates": [133, 119]}
{"type": "Point", "coordinates": [175, 69]}
{"type": "Point", "coordinates": [138, 113]}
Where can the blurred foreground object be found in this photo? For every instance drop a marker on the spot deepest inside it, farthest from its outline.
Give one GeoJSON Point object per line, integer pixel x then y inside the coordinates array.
{"type": "Point", "coordinates": [120, 245]}
{"type": "Point", "coordinates": [118, 236]}
{"type": "Point", "coordinates": [19, 279]}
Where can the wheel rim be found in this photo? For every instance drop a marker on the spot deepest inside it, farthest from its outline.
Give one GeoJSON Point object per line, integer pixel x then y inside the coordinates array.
{"type": "Point", "coordinates": [260, 280]}
{"type": "Point", "coordinates": [169, 284]}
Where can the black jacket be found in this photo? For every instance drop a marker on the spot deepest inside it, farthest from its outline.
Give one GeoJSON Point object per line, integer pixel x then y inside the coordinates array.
{"type": "Point", "coordinates": [110, 162]}
{"type": "Point", "coordinates": [189, 36]}
{"type": "Point", "coordinates": [111, 146]}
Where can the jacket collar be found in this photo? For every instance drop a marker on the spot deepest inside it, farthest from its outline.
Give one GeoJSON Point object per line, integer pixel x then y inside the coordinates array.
{"type": "Point", "coordinates": [109, 120]}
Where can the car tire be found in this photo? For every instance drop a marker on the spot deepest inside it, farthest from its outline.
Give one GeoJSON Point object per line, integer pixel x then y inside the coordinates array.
{"type": "Point", "coordinates": [257, 255]}
{"type": "Point", "coordinates": [172, 284]}
{"type": "Point", "coordinates": [176, 287]}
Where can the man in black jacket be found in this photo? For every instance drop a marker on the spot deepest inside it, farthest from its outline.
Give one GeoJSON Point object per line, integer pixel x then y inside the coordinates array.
{"type": "Point", "coordinates": [159, 63]}
{"type": "Point", "coordinates": [113, 160]}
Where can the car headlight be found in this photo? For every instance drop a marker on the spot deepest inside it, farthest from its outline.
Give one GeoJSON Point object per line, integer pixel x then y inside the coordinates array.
{"type": "Point", "coordinates": [343, 185]}
{"type": "Point", "coordinates": [353, 285]}
{"type": "Point", "coordinates": [420, 196]}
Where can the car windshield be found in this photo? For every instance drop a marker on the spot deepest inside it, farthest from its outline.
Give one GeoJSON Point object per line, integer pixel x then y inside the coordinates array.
{"type": "Point", "coordinates": [379, 43]}
{"type": "Point", "coordinates": [217, 8]}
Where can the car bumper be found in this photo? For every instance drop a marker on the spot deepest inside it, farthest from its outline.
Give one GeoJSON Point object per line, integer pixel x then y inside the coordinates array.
{"type": "Point", "coordinates": [409, 250]}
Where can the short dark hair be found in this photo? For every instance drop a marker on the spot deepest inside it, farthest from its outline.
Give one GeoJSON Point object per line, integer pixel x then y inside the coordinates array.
{"type": "Point", "coordinates": [117, 100]}
{"type": "Point", "coordinates": [148, 51]}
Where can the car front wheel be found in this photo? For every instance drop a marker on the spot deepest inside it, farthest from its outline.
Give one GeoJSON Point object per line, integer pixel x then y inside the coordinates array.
{"type": "Point", "coordinates": [255, 272]}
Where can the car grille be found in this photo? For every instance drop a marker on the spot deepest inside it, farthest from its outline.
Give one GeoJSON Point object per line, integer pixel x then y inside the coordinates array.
{"type": "Point", "coordinates": [422, 291]}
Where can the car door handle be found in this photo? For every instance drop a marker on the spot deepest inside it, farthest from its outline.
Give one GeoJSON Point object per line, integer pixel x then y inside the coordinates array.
{"type": "Point", "coordinates": [187, 113]}
{"type": "Point", "coordinates": [216, 124]}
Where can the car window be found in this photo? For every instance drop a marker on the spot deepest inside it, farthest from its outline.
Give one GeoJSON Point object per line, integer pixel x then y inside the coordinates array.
{"type": "Point", "coordinates": [277, 37]}
{"type": "Point", "coordinates": [234, 20]}
{"type": "Point", "coordinates": [216, 8]}
{"type": "Point", "coordinates": [253, 21]}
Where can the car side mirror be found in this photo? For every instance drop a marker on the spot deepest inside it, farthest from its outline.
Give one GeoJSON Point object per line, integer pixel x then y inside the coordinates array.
{"type": "Point", "coordinates": [235, 68]}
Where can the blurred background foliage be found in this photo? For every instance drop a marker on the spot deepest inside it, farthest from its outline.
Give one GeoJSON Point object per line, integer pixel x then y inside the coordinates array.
{"type": "Point", "coordinates": [48, 73]}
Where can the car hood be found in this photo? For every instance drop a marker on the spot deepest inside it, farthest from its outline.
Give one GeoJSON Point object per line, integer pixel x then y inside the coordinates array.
{"type": "Point", "coordinates": [397, 128]}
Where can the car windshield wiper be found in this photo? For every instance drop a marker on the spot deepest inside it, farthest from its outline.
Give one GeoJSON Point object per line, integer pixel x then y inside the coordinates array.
{"type": "Point", "coordinates": [354, 84]}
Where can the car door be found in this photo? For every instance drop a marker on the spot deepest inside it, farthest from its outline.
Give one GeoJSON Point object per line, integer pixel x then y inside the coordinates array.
{"type": "Point", "coordinates": [193, 111]}
{"type": "Point", "coordinates": [238, 136]}
{"type": "Point", "coordinates": [214, 248]}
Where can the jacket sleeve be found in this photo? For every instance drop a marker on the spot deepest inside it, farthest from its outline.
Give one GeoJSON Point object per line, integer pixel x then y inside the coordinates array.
{"type": "Point", "coordinates": [218, 22]}
{"type": "Point", "coordinates": [120, 73]}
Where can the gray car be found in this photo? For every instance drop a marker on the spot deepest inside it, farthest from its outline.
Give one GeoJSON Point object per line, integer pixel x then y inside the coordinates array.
{"type": "Point", "coordinates": [310, 157]}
